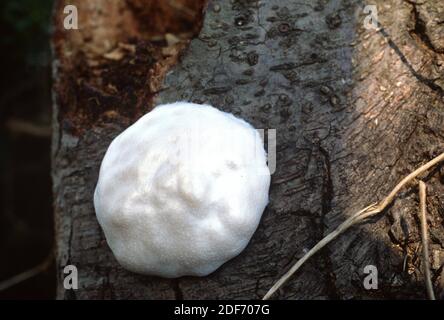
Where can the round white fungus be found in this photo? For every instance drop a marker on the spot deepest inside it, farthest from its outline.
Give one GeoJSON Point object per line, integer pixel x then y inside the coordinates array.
{"type": "Point", "coordinates": [182, 190]}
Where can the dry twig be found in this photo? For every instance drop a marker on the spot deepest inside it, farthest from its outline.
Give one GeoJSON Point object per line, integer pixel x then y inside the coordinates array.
{"type": "Point", "coordinates": [354, 219]}
{"type": "Point", "coordinates": [425, 239]}
{"type": "Point", "coordinates": [28, 128]}
{"type": "Point", "coordinates": [28, 274]}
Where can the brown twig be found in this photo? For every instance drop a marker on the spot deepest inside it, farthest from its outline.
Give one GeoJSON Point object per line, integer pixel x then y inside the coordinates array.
{"type": "Point", "coordinates": [354, 219]}
{"type": "Point", "coordinates": [425, 239]}
{"type": "Point", "coordinates": [28, 128]}
{"type": "Point", "coordinates": [28, 274]}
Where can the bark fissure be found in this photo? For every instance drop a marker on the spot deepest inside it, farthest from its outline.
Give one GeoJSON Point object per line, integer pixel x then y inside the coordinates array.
{"type": "Point", "coordinates": [420, 29]}
{"type": "Point", "coordinates": [327, 199]}
{"type": "Point", "coordinates": [178, 294]}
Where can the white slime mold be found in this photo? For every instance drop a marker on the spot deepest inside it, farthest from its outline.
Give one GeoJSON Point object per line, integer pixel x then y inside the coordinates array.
{"type": "Point", "coordinates": [182, 190]}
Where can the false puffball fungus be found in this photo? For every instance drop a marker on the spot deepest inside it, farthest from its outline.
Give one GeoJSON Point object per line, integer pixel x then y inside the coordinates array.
{"type": "Point", "coordinates": [182, 190]}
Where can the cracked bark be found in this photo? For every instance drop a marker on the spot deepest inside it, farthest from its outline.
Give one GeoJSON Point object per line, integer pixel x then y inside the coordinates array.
{"type": "Point", "coordinates": [354, 109]}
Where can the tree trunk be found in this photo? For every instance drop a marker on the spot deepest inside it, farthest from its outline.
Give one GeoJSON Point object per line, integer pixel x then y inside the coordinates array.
{"type": "Point", "coordinates": [355, 110]}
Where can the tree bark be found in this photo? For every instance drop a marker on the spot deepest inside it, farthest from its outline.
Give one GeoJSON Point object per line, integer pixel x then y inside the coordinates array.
{"type": "Point", "coordinates": [355, 110]}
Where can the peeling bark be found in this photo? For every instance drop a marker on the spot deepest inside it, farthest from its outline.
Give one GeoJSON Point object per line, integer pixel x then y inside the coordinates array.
{"type": "Point", "coordinates": [355, 110]}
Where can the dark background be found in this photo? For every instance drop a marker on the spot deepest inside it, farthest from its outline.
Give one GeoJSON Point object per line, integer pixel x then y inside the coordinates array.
{"type": "Point", "coordinates": [26, 221]}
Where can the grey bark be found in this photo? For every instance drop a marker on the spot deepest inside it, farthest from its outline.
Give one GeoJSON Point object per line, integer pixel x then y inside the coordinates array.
{"type": "Point", "coordinates": [355, 110]}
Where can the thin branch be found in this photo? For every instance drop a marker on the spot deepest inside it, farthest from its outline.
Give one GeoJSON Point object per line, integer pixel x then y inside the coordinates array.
{"type": "Point", "coordinates": [425, 239]}
{"type": "Point", "coordinates": [354, 219]}
{"type": "Point", "coordinates": [28, 274]}
{"type": "Point", "coordinates": [342, 227]}
{"type": "Point", "coordinates": [28, 128]}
